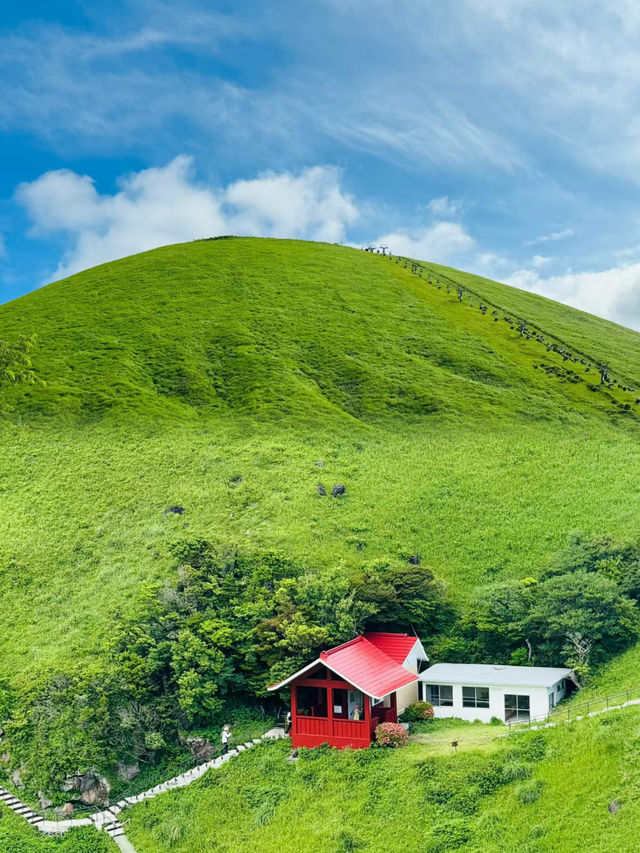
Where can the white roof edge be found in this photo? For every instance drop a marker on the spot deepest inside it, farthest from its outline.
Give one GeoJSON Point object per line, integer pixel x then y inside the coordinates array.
{"type": "Point", "coordinates": [295, 675]}
{"type": "Point", "coordinates": [422, 649]}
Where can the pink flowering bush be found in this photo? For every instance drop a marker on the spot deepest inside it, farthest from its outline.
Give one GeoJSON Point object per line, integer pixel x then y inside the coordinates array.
{"type": "Point", "coordinates": [391, 734]}
{"type": "Point", "coordinates": [417, 712]}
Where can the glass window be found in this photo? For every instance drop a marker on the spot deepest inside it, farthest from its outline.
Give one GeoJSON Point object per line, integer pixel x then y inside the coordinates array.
{"type": "Point", "coordinates": [475, 697]}
{"type": "Point", "coordinates": [516, 707]}
{"type": "Point", "coordinates": [439, 694]}
{"type": "Point", "coordinates": [311, 701]}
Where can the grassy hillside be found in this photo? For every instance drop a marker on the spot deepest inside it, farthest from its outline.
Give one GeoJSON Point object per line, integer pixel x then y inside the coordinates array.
{"type": "Point", "coordinates": [546, 792]}
{"type": "Point", "coordinates": [217, 375]}
{"type": "Point", "coordinates": [17, 836]}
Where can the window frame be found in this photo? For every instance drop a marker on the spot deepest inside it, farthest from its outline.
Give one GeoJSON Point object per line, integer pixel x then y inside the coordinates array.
{"type": "Point", "coordinates": [440, 702]}
{"type": "Point", "coordinates": [519, 714]}
{"type": "Point", "coordinates": [474, 701]}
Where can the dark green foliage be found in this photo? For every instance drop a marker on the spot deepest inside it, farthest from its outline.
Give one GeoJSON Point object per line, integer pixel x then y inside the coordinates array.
{"type": "Point", "coordinates": [580, 612]}
{"type": "Point", "coordinates": [529, 792]}
{"type": "Point", "coordinates": [229, 623]}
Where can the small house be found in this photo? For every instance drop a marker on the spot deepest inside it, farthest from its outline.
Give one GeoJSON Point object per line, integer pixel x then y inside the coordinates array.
{"type": "Point", "coordinates": [480, 692]}
{"type": "Point", "coordinates": [344, 694]}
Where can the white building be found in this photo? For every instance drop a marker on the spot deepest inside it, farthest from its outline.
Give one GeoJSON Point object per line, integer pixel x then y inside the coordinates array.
{"type": "Point", "coordinates": [480, 691]}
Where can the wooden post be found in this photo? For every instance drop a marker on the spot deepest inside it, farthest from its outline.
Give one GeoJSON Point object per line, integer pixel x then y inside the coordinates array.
{"type": "Point", "coordinates": [330, 710]}
{"type": "Point", "coordinates": [294, 710]}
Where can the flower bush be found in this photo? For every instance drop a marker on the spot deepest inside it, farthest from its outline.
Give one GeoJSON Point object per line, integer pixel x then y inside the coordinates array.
{"type": "Point", "coordinates": [417, 712]}
{"type": "Point", "coordinates": [391, 734]}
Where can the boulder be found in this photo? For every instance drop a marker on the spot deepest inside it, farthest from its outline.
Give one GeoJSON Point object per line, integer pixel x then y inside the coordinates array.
{"type": "Point", "coordinates": [321, 490]}
{"type": "Point", "coordinates": [338, 490]}
{"type": "Point", "coordinates": [127, 772]}
{"type": "Point", "coordinates": [319, 463]}
{"type": "Point", "coordinates": [44, 802]}
{"type": "Point", "coordinates": [176, 510]}
{"type": "Point", "coordinates": [16, 778]}
{"type": "Point", "coordinates": [94, 789]}
{"type": "Point", "coordinates": [64, 811]}
{"type": "Point", "coordinates": [200, 749]}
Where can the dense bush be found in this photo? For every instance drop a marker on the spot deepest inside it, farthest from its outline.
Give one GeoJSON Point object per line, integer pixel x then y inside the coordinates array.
{"type": "Point", "coordinates": [229, 624]}
{"type": "Point", "coordinates": [417, 712]}
{"type": "Point", "coordinates": [391, 734]}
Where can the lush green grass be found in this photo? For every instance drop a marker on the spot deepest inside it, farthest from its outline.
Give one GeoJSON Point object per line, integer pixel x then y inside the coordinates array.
{"type": "Point", "coordinates": [172, 373]}
{"type": "Point", "coordinates": [216, 375]}
{"type": "Point", "coordinates": [16, 836]}
{"type": "Point", "coordinates": [416, 799]}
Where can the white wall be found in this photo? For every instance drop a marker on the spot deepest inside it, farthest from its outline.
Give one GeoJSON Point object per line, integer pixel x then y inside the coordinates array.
{"type": "Point", "coordinates": [538, 702]}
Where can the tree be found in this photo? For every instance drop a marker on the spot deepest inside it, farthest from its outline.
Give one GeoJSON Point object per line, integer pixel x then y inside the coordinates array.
{"type": "Point", "coordinates": [582, 610]}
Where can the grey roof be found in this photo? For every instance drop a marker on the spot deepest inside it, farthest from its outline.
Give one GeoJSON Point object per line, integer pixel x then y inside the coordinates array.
{"type": "Point", "coordinates": [486, 674]}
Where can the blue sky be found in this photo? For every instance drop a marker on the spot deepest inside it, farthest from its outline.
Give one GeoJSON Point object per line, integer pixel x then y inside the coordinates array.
{"type": "Point", "coordinates": [500, 136]}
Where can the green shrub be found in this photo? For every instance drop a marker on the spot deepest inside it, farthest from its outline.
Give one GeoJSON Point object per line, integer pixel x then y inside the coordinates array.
{"type": "Point", "coordinates": [417, 712]}
{"type": "Point", "coordinates": [529, 792]}
{"type": "Point", "coordinates": [515, 771]}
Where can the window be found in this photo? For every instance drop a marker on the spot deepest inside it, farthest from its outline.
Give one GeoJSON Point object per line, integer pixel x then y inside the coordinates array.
{"type": "Point", "coordinates": [475, 697]}
{"type": "Point", "coordinates": [311, 701]}
{"type": "Point", "coordinates": [439, 694]}
{"type": "Point", "coordinates": [516, 707]}
{"type": "Point", "coordinates": [560, 686]}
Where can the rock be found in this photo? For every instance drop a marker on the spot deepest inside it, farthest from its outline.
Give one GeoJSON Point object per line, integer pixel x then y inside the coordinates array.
{"type": "Point", "coordinates": [176, 510]}
{"type": "Point", "coordinates": [200, 749]}
{"type": "Point", "coordinates": [321, 490]}
{"type": "Point", "coordinates": [338, 490]}
{"type": "Point", "coordinates": [5, 758]}
{"type": "Point", "coordinates": [71, 783]}
{"type": "Point", "coordinates": [44, 802]}
{"type": "Point", "coordinates": [127, 772]}
{"type": "Point", "coordinates": [414, 559]}
{"type": "Point", "coordinates": [16, 778]}
{"type": "Point", "coordinates": [94, 789]}
{"type": "Point", "coordinates": [614, 806]}
{"type": "Point", "coordinates": [319, 464]}
{"type": "Point", "coordinates": [64, 811]}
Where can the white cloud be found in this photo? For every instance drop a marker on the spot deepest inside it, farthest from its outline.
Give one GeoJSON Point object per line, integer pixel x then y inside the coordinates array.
{"type": "Point", "coordinates": [540, 261]}
{"type": "Point", "coordinates": [444, 206]}
{"type": "Point", "coordinates": [444, 243]}
{"type": "Point", "coordinates": [164, 205]}
{"type": "Point", "coordinates": [612, 293]}
{"type": "Point", "coordinates": [552, 237]}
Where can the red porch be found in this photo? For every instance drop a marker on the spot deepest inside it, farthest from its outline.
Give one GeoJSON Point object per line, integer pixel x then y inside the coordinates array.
{"type": "Point", "coordinates": [342, 696]}
{"type": "Point", "coordinates": [323, 707]}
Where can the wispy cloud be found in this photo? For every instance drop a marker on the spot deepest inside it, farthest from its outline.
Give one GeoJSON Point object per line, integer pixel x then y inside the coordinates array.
{"type": "Point", "coordinates": [552, 237]}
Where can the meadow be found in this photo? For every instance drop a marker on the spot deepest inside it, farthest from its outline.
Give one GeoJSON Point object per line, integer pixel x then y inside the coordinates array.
{"type": "Point", "coordinates": [232, 378]}
{"type": "Point", "coordinates": [544, 792]}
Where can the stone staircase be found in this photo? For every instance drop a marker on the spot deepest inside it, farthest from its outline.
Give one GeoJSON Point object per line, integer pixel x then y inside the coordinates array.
{"type": "Point", "coordinates": [108, 820]}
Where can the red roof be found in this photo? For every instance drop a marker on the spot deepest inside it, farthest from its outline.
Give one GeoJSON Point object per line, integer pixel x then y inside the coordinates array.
{"type": "Point", "coordinates": [397, 646]}
{"type": "Point", "coordinates": [367, 667]}
{"type": "Point", "coordinates": [362, 663]}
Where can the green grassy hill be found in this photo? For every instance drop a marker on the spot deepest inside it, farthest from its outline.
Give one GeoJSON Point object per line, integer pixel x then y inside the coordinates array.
{"type": "Point", "coordinates": [546, 792]}
{"type": "Point", "coordinates": [217, 374]}
{"type": "Point", "coordinates": [233, 376]}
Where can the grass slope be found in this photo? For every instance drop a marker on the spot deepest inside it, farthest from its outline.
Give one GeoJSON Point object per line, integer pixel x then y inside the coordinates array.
{"type": "Point", "coordinates": [544, 793]}
{"type": "Point", "coordinates": [217, 374]}
{"type": "Point", "coordinates": [16, 836]}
